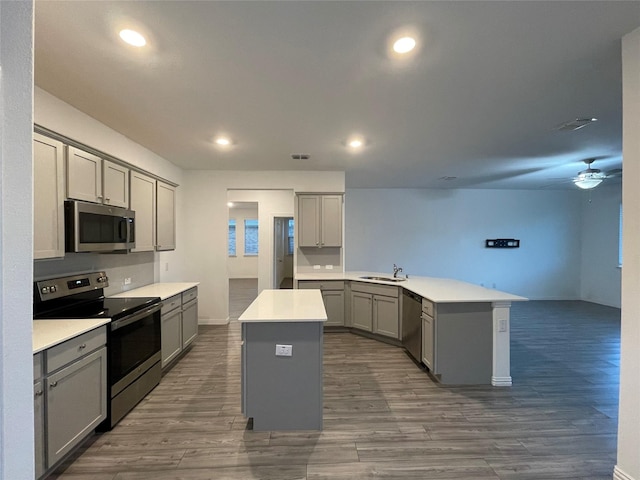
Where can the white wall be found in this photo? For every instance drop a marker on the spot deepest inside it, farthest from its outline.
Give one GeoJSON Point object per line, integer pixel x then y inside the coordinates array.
{"type": "Point", "coordinates": [16, 240]}
{"type": "Point", "coordinates": [441, 233]}
{"type": "Point", "coordinates": [600, 274]}
{"type": "Point", "coordinates": [271, 203]}
{"type": "Point", "coordinates": [205, 254]}
{"type": "Point", "coordinates": [628, 465]}
{"type": "Point", "coordinates": [243, 266]}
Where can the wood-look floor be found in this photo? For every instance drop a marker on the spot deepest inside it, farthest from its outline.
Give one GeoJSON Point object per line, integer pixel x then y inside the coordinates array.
{"type": "Point", "coordinates": [383, 417]}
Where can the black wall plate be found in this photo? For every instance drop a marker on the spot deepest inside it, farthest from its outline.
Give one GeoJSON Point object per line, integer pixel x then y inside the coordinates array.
{"type": "Point", "coordinates": [502, 243]}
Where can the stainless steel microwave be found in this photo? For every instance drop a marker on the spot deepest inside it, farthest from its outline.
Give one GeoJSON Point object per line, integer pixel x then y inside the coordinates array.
{"type": "Point", "coordinates": [91, 227]}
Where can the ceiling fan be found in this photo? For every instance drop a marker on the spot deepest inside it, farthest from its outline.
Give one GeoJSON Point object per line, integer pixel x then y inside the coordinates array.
{"type": "Point", "coordinates": [592, 177]}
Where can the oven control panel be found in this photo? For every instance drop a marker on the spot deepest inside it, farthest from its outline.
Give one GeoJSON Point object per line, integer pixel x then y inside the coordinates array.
{"type": "Point", "coordinates": [64, 286]}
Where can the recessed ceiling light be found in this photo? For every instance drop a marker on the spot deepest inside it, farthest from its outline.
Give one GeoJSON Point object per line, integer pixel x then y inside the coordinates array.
{"type": "Point", "coordinates": [404, 45]}
{"type": "Point", "coordinates": [355, 143]}
{"type": "Point", "coordinates": [223, 141]}
{"type": "Point", "coordinates": [133, 38]}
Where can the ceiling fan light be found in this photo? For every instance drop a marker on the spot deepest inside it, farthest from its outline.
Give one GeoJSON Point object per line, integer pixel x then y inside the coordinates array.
{"type": "Point", "coordinates": [588, 180]}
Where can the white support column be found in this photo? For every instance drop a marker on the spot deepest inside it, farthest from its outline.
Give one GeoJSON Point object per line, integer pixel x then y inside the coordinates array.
{"type": "Point", "coordinates": [501, 374]}
{"type": "Point", "coordinates": [16, 240]}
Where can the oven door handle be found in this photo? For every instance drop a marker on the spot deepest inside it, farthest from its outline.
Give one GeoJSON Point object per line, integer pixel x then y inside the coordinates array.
{"type": "Point", "coordinates": [123, 322]}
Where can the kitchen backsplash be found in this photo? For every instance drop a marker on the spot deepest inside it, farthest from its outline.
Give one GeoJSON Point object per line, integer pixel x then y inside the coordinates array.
{"type": "Point", "coordinates": [138, 267]}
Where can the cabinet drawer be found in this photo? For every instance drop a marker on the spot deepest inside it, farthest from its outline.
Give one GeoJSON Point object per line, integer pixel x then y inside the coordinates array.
{"type": "Point", "coordinates": [77, 347]}
{"type": "Point", "coordinates": [427, 307]}
{"type": "Point", "coordinates": [37, 366]}
{"type": "Point", "coordinates": [374, 289]}
{"type": "Point", "coordinates": [189, 295]}
{"type": "Point", "coordinates": [171, 303]}
{"type": "Point", "coordinates": [321, 285]}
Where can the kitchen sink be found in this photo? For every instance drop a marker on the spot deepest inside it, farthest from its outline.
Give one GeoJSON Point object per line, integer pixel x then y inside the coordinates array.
{"type": "Point", "coordinates": [383, 279]}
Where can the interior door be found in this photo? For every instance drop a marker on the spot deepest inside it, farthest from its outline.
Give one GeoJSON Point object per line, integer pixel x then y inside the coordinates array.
{"type": "Point", "coordinates": [280, 250]}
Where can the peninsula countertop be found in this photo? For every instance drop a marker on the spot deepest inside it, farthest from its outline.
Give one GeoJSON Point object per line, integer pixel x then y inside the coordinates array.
{"type": "Point", "coordinates": [286, 306]}
{"type": "Point", "coordinates": [162, 290]}
{"type": "Point", "coordinates": [438, 290]}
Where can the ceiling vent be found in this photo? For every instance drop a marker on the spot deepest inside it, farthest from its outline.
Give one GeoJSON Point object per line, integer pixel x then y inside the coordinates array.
{"type": "Point", "coordinates": [576, 124]}
{"type": "Point", "coordinates": [300, 156]}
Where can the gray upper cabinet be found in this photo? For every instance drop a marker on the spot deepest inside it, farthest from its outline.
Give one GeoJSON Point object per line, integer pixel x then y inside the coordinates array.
{"type": "Point", "coordinates": [48, 197]}
{"type": "Point", "coordinates": [166, 217]}
{"type": "Point", "coordinates": [92, 179]}
{"type": "Point", "coordinates": [115, 184]}
{"type": "Point", "coordinates": [84, 176]}
{"type": "Point", "coordinates": [319, 221]}
{"type": "Point", "coordinates": [143, 202]}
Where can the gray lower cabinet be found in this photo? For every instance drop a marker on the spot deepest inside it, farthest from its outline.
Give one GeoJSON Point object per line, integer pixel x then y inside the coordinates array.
{"type": "Point", "coordinates": [375, 308]}
{"type": "Point", "coordinates": [70, 398]}
{"type": "Point", "coordinates": [385, 315]}
{"type": "Point", "coordinates": [457, 342]}
{"type": "Point", "coordinates": [38, 414]}
{"type": "Point", "coordinates": [76, 403]}
{"type": "Point", "coordinates": [179, 324]}
{"type": "Point", "coordinates": [189, 322]}
{"type": "Point", "coordinates": [171, 329]}
{"type": "Point", "coordinates": [361, 310]}
{"type": "Point", "coordinates": [428, 335]}
{"type": "Point", "coordinates": [333, 298]}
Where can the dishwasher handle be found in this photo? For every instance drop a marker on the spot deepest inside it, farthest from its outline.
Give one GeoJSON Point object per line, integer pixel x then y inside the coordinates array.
{"type": "Point", "coordinates": [412, 295]}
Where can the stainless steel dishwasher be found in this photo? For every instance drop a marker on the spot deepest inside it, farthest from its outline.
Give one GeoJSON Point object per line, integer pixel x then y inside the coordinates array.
{"type": "Point", "coordinates": [412, 324]}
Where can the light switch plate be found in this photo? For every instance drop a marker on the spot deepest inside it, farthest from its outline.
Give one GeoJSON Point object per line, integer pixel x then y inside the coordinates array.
{"type": "Point", "coordinates": [284, 350]}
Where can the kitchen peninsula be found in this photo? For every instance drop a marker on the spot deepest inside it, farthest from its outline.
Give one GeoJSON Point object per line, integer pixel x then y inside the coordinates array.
{"type": "Point", "coordinates": [282, 333]}
{"type": "Point", "coordinates": [458, 318]}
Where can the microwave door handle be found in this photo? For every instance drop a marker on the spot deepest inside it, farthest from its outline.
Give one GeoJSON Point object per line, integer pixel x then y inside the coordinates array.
{"type": "Point", "coordinates": [122, 223]}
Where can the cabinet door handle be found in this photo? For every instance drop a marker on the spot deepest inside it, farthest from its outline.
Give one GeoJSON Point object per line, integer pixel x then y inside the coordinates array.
{"type": "Point", "coordinates": [83, 346]}
{"type": "Point", "coordinates": [39, 393]}
{"type": "Point", "coordinates": [99, 196]}
{"type": "Point", "coordinates": [107, 199]}
{"type": "Point", "coordinates": [53, 384]}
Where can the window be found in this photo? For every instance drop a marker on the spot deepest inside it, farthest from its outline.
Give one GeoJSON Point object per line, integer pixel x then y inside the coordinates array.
{"type": "Point", "coordinates": [232, 238]}
{"type": "Point", "coordinates": [290, 237]}
{"type": "Point", "coordinates": [251, 237]}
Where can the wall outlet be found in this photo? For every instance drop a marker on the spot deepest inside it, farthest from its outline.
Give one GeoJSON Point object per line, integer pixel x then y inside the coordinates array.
{"type": "Point", "coordinates": [329, 267]}
{"type": "Point", "coordinates": [284, 350]}
{"type": "Point", "coordinates": [316, 267]}
{"type": "Point", "coordinates": [166, 267]}
{"type": "Point", "coordinates": [502, 325]}
{"type": "Point", "coordinates": [127, 281]}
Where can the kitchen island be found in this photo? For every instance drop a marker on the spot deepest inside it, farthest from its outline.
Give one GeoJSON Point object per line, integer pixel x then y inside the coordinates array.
{"type": "Point", "coordinates": [282, 341]}
{"type": "Point", "coordinates": [463, 316]}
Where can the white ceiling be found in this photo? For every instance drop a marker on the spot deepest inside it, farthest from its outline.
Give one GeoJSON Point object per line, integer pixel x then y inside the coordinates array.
{"type": "Point", "coordinates": [479, 101]}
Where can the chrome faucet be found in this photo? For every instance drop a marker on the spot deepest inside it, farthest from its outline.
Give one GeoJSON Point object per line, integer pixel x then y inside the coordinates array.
{"type": "Point", "coordinates": [396, 269]}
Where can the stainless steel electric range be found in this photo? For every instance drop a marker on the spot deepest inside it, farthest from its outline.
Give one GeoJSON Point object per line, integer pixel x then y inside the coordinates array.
{"type": "Point", "coordinates": [133, 335]}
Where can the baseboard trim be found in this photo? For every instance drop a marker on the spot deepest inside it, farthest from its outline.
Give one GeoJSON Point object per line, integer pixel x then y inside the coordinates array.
{"type": "Point", "coordinates": [501, 381]}
{"type": "Point", "coordinates": [618, 474]}
{"type": "Point", "coordinates": [213, 321]}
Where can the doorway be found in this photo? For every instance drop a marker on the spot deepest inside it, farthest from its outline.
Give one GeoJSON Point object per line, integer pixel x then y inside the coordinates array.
{"type": "Point", "coordinates": [283, 230]}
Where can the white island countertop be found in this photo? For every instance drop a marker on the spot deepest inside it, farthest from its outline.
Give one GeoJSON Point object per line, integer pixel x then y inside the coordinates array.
{"type": "Point", "coordinates": [438, 290]}
{"type": "Point", "coordinates": [49, 333]}
{"type": "Point", "coordinates": [286, 306]}
{"type": "Point", "coordinates": [162, 290]}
